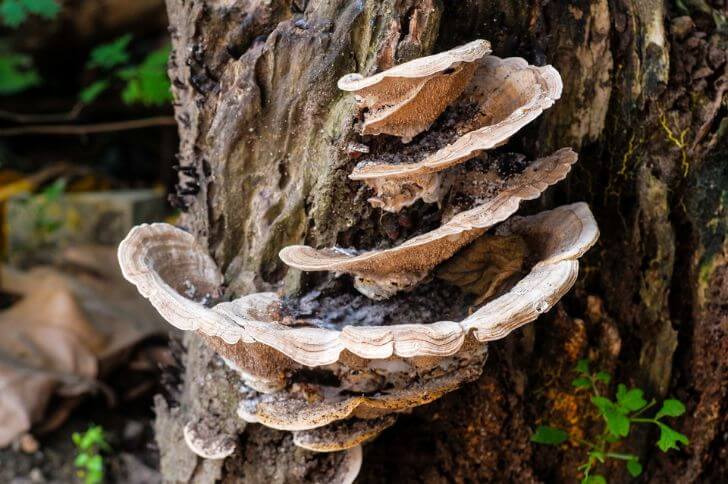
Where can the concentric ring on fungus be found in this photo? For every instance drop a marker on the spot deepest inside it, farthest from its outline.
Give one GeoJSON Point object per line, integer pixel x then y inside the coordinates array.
{"type": "Point", "coordinates": [381, 273]}
{"type": "Point", "coordinates": [255, 318]}
{"type": "Point", "coordinates": [503, 97]}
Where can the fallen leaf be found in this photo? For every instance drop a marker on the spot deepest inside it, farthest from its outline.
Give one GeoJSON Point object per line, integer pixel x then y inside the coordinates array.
{"type": "Point", "coordinates": [66, 328]}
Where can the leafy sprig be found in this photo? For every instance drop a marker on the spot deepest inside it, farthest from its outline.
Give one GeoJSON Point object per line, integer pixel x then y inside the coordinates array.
{"type": "Point", "coordinates": [15, 12]}
{"type": "Point", "coordinates": [619, 415]}
{"type": "Point", "coordinates": [89, 461]}
{"type": "Point", "coordinates": [144, 83]}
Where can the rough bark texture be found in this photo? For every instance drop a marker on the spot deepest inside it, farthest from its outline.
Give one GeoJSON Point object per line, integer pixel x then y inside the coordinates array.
{"type": "Point", "coordinates": [266, 129]}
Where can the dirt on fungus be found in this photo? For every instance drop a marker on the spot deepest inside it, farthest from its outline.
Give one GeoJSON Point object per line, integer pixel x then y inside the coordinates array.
{"type": "Point", "coordinates": [455, 121]}
{"type": "Point", "coordinates": [339, 305]}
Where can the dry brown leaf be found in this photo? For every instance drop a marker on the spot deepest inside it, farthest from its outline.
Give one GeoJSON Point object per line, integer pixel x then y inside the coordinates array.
{"type": "Point", "coordinates": [65, 325]}
{"type": "Point", "coordinates": [45, 348]}
{"type": "Point", "coordinates": [486, 264]}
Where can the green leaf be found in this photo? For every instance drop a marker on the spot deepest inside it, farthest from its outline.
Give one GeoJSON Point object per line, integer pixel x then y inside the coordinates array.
{"type": "Point", "coordinates": [549, 436]}
{"type": "Point", "coordinates": [16, 73]}
{"type": "Point", "coordinates": [617, 422]}
{"type": "Point", "coordinates": [669, 438]}
{"type": "Point", "coordinates": [81, 460]}
{"type": "Point", "coordinates": [148, 83]}
{"type": "Point", "coordinates": [52, 193]}
{"type": "Point", "coordinates": [583, 367]}
{"type": "Point", "coordinates": [671, 408]}
{"type": "Point", "coordinates": [634, 467]}
{"type": "Point", "coordinates": [95, 464]}
{"type": "Point", "coordinates": [76, 437]}
{"type": "Point", "coordinates": [92, 91]}
{"type": "Point", "coordinates": [595, 479]}
{"type": "Point", "coordinates": [110, 55]}
{"type": "Point", "coordinates": [631, 400]}
{"type": "Point", "coordinates": [600, 456]}
{"type": "Point", "coordinates": [603, 377]}
{"type": "Point", "coordinates": [13, 13]}
{"type": "Point", "coordinates": [44, 8]}
{"type": "Point", "coordinates": [581, 382]}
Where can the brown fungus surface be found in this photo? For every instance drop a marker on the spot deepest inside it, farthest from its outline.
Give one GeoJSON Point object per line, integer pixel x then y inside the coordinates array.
{"type": "Point", "coordinates": [404, 100]}
{"type": "Point", "coordinates": [343, 434]}
{"type": "Point", "coordinates": [503, 97]}
{"type": "Point", "coordinates": [382, 273]}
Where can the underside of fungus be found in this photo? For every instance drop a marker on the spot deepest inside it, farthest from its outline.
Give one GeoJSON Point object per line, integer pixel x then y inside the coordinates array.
{"type": "Point", "coordinates": [503, 96]}
{"type": "Point", "coordinates": [336, 367]}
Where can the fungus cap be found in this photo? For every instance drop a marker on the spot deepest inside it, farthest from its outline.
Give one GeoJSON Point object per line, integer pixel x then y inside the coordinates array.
{"type": "Point", "coordinates": [206, 446]}
{"type": "Point", "coordinates": [256, 318]}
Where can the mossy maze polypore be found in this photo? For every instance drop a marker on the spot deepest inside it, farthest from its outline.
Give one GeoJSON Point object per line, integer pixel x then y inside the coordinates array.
{"type": "Point", "coordinates": [338, 386]}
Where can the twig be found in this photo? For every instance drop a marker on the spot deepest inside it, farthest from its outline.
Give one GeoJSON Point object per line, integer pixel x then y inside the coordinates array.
{"type": "Point", "coordinates": [83, 129]}
{"type": "Point", "coordinates": [24, 118]}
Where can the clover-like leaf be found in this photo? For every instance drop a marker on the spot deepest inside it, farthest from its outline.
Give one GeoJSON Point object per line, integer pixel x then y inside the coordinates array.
{"type": "Point", "coordinates": [617, 422]}
{"type": "Point", "coordinates": [634, 467]}
{"type": "Point", "coordinates": [110, 55]}
{"type": "Point", "coordinates": [669, 438]}
{"type": "Point", "coordinates": [595, 479]}
{"type": "Point", "coordinates": [549, 435]}
{"type": "Point", "coordinates": [583, 367]}
{"type": "Point", "coordinates": [603, 377]}
{"type": "Point", "coordinates": [148, 82]}
{"type": "Point", "coordinates": [630, 400]}
{"type": "Point", "coordinates": [671, 408]}
{"type": "Point", "coordinates": [581, 382]}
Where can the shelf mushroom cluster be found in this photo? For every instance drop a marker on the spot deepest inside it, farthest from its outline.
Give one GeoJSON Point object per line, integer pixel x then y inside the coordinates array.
{"type": "Point", "coordinates": [336, 387]}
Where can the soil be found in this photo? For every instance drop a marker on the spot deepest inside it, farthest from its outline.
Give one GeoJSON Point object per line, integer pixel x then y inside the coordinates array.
{"type": "Point", "coordinates": [339, 304]}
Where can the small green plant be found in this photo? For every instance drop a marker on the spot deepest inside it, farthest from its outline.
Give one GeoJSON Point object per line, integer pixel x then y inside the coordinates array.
{"type": "Point", "coordinates": [89, 461]}
{"type": "Point", "coordinates": [14, 12]}
{"type": "Point", "coordinates": [146, 83]}
{"type": "Point", "coordinates": [17, 72]}
{"type": "Point", "coordinates": [46, 222]}
{"type": "Point", "coordinates": [619, 415]}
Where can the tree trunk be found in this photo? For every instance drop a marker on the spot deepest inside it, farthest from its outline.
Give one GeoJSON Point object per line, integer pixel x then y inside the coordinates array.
{"type": "Point", "coordinates": [266, 129]}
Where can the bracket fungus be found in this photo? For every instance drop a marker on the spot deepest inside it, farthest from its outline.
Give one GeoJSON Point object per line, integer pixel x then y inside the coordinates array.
{"type": "Point", "coordinates": [207, 444]}
{"type": "Point", "coordinates": [503, 96]}
{"type": "Point", "coordinates": [381, 273]}
{"type": "Point", "coordinates": [336, 368]}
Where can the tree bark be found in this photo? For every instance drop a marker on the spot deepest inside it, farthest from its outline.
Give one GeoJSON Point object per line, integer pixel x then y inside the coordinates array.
{"type": "Point", "coordinates": [266, 129]}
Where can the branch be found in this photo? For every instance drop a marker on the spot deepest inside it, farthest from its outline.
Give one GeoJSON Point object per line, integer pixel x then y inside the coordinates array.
{"type": "Point", "coordinates": [23, 118]}
{"type": "Point", "coordinates": [80, 130]}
